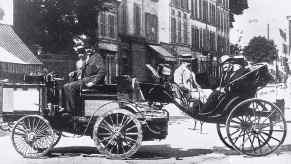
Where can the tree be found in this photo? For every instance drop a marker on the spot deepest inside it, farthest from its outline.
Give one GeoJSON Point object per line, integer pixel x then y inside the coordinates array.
{"type": "Point", "coordinates": [236, 7]}
{"type": "Point", "coordinates": [51, 23]}
{"type": "Point", "coordinates": [260, 49]}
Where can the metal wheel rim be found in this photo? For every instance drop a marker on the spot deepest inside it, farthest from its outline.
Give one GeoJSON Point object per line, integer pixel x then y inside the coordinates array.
{"type": "Point", "coordinates": [57, 137]}
{"type": "Point", "coordinates": [259, 132]}
{"type": "Point", "coordinates": [223, 138]}
{"type": "Point", "coordinates": [121, 141]}
{"type": "Point", "coordinates": [32, 136]}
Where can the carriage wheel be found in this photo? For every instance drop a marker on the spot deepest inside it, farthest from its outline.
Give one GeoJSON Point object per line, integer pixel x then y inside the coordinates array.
{"type": "Point", "coordinates": [256, 127]}
{"type": "Point", "coordinates": [117, 134]}
{"type": "Point", "coordinates": [221, 131]}
{"type": "Point", "coordinates": [32, 136]}
{"type": "Point", "coordinates": [57, 137]}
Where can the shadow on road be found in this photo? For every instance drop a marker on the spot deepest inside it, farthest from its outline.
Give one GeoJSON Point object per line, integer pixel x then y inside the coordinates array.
{"type": "Point", "coordinates": [166, 151]}
{"type": "Point", "coordinates": [148, 152]}
{"type": "Point", "coordinates": [73, 151]}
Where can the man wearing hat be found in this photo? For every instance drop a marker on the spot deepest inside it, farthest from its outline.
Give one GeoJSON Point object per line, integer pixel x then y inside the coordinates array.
{"type": "Point", "coordinates": [92, 71]}
{"type": "Point", "coordinates": [184, 76]}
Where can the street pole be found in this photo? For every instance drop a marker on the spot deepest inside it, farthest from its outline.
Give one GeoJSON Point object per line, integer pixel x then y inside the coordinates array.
{"type": "Point", "coordinates": [97, 30]}
{"type": "Point", "coordinates": [268, 31]}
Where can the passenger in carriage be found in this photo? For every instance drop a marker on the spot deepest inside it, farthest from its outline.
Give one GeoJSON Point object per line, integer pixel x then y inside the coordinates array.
{"type": "Point", "coordinates": [92, 71]}
{"type": "Point", "coordinates": [233, 68]}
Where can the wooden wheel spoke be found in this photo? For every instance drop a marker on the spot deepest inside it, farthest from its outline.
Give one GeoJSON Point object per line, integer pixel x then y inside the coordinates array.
{"type": "Point", "coordinates": [130, 128]}
{"type": "Point", "coordinates": [129, 139]}
{"type": "Point", "coordinates": [107, 126]}
{"type": "Point", "coordinates": [104, 134]}
{"type": "Point", "coordinates": [234, 133]}
{"type": "Point", "coordinates": [28, 124]}
{"type": "Point", "coordinates": [235, 121]}
{"type": "Point", "coordinates": [125, 122]}
{"type": "Point", "coordinates": [109, 142]}
{"type": "Point", "coordinates": [103, 126]}
{"type": "Point", "coordinates": [273, 130]}
{"type": "Point", "coordinates": [116, 118]}
{"type": "Point", "coordinates": [271, 137]}
{"type": "Point", "coordinates": [265, 141]}
{"type": "Point", "coordinates": [271, 124]}
{"type": "Point", "coordinates": [238, 137]}
{"type": "Point", "coordinates": [36, 126]}
{"type": "Point", "coordinates": [243, 141]}
{"type": "Point", "coordinates": [106, 138]}
{"type": "Point", "coordinates": [235, 126]}
{"type": "Point", "coordinates": [252, 144]}
{"type": "Point", "coordinates": [132, 134]}
{"type": "Point", "coordinates": [21, 130]}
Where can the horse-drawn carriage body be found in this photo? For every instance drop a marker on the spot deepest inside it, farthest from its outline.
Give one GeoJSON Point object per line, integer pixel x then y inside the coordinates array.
{"type": "Point", "coordinates": [119, 117]}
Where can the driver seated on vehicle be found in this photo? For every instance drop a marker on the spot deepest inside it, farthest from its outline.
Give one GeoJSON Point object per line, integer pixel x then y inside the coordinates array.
{"type": "Point", "coordinates": [91, 72]}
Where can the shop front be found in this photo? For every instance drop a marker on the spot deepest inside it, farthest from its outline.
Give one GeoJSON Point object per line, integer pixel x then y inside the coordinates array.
{"type": "Point", "coordinates": [109, 52]}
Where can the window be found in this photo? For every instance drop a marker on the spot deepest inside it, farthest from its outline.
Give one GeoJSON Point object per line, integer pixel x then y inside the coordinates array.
{"type": "Point", "coordinates": [200, 38]}
{"type": "Point", "coordinates": [205, 11]}
{"type": "Point", "coordinates": [195, 38]}
{"type": "Point", "coordinates": [111, 26]}
{"type": "Point", "coordinates": [137, 19]}
{"type": "Point", "coordinates": [123, 19]}
{"type": "Point", "coordinates": [194, 9]}
{"type": "Point", "coordinates": [151, 27]}
{"type": "Point", "coordinates": [179, 27]}
{"type": "Point", "coordinates": [200, 10]}
{"type": "Point", "coordinates": [111, 68]}
{"type": "Point", "coordinates": [185, 5]}
{"type": "Point", "coordinates": [102, 24]}
{"type": "Point", "coordinates": [173, 30]}
{"type": "Point", "coordinates": [185, 29]}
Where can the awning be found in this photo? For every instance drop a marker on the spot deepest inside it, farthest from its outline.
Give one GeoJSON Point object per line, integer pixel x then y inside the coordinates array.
{"type": "Point", "coordinates": [14, 46]}
{"type": "Point", "coordinates": [183, 50]}
{"type": "Point", "coordinates": [163, 53]}
{"type": "Point", "coordinates": [7, 57]}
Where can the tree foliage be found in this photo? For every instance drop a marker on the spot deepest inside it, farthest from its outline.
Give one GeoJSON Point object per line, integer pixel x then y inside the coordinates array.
{"type": "Point", "coordinates": [260, 49]}
{"type": "Point", "coordinates": [51, 23]}
{"type": "Point", "coordinates": [236, 7]}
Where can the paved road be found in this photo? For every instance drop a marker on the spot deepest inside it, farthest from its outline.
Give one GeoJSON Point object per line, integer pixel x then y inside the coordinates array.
{"type": "Point", "coordinates": [183, 145]}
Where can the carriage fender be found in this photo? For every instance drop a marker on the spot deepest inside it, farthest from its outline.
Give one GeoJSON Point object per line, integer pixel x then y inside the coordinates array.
{"type": "Point", "coordinates": [129, 107]}
{"type": "Point", "coordinates": [231, 103]}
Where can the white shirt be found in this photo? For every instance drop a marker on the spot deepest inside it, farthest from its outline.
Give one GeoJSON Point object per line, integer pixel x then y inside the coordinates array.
{"type": "Point", "coordinates": [184, 77]}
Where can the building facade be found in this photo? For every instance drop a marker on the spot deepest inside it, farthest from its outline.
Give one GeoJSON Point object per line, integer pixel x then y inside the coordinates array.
{"type": "Point", "coordinates": [139, 37]}
{"type": "Point", "coordinates": [108, 41]}
{"type": "Point", "coordinates": [198, 27]}
{"type": "Point", "coordinates": [141, 32]}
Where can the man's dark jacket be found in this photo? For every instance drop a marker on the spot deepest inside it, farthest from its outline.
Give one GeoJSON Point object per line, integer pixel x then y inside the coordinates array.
{"type": "Point", "coordinates": [94, 70]}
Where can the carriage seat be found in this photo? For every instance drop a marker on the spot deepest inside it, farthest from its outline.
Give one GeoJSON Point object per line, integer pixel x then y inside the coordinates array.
{"type": "Point", "coordinates": [100, 91]}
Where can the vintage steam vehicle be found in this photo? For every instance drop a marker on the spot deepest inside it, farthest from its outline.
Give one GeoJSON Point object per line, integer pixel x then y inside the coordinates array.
{"type": "Point", "coordinates": [116, 124]}
{"type": "Point", "coordinates": [245, 123]}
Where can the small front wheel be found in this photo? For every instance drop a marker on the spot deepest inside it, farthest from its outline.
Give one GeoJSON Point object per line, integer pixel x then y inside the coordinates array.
{"type": "Point", "coordinates": [117, 134]}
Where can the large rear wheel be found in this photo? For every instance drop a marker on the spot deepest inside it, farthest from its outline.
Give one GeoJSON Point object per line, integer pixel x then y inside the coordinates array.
{"type": "Point", "coordinates": [221, 131]}
{"type": "Point", "coordinates": [33, 137]}
{"type": "Point", "coordinates": [117, 134]}
{"type": "Point", "coordinates": [256, 127]}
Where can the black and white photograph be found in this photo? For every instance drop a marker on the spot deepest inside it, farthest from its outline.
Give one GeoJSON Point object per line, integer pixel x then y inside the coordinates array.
{"type": "Point", "coordinates": [145, 81]}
